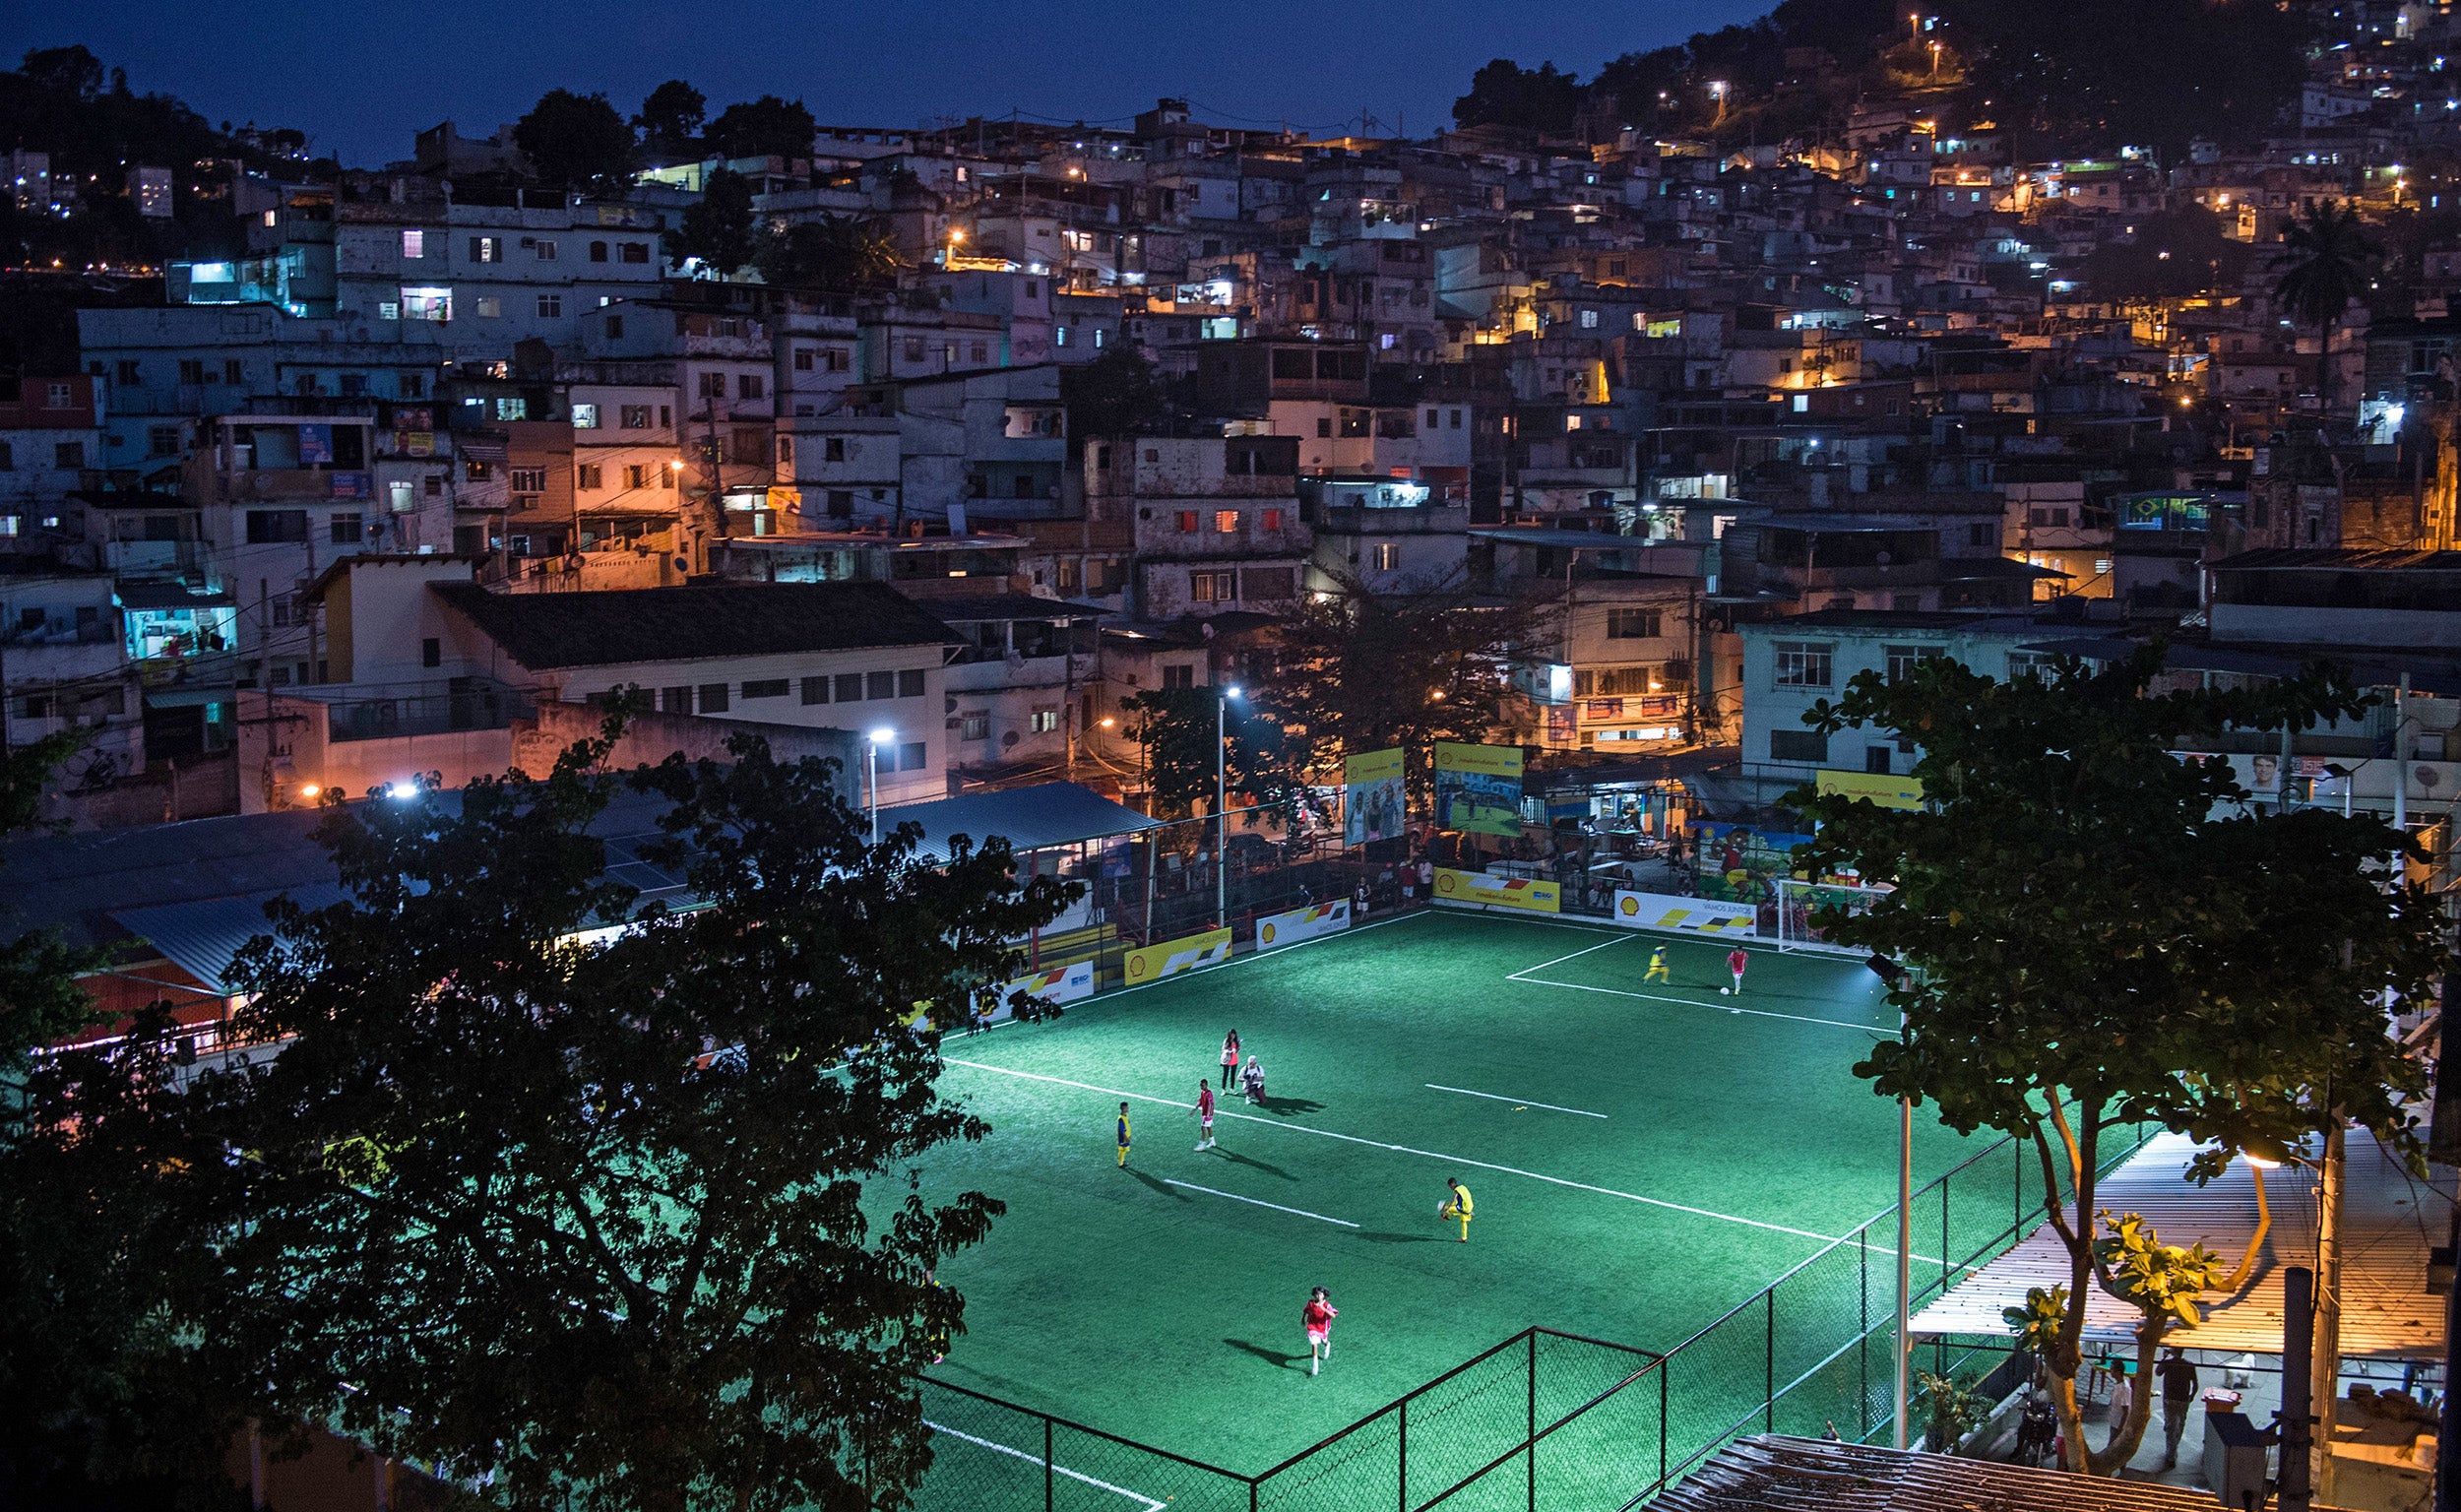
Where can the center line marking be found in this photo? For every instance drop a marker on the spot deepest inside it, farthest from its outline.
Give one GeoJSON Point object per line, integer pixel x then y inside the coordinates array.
{"type": "Point", "coordinates": [1515, 1101]}
{"type": "Point", "coordinates": [1432, 1154]}
{"type": "Point", "coordinates": [1260, 1202]}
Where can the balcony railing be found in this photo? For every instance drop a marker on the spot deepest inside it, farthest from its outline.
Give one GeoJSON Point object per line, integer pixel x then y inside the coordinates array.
{"type": "Point", "coordinates": [472, 704]}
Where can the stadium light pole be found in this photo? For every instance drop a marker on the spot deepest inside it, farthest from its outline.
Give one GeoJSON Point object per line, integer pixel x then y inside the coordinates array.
{"type": "Point", "coordinates": [1222, 816]}
{"type": "Point", "coordinates": [871, 766]}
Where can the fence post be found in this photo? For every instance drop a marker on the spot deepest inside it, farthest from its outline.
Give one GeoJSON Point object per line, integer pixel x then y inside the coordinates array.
{"type": "Point", "coordinates": [1404, 1475]}
{"type": "Point", "coordinates": [1945, 1183]}
{"type": "Point", "coordinates": [1665, 1367]}
{"type": "Point", "coordinates": [1863, 1333]}
{"type": "Point", "coordinates": [1046, 1465]}
{"type": "Point", "coordinates": [2016, 1192]}
{"type": "Point", "coordinates": [1530, 1436]}
{"type": "Point", "coordinates": [1769, 1359]}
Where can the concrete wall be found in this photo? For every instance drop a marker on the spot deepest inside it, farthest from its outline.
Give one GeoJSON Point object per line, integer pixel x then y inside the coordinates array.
{"type": "Point", "coordinates": [650, 738]}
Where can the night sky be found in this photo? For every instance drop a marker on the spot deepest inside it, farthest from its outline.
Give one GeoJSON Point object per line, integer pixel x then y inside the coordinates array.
{"type": "Point", "coordinates": [362, 78]}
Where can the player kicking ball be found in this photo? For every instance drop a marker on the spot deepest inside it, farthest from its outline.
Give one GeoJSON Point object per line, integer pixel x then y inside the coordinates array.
{"type": "Point", "coordinates": [1317, 1318]}
{"type": "Point", "coordinates": [1735, 961]}
{"type": "Point", "coordinates": [1204, 1111]}
{"type": "Point", "coordinates": [1123, 1136]}
{"type": "Point", "coordinates": [1457, 1206]}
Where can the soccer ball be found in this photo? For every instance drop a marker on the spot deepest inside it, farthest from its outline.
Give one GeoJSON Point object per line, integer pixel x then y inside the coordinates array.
{"type": "Point", "coordinates": [1726, 992]}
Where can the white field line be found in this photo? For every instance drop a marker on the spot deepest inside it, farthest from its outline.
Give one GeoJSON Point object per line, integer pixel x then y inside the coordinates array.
{"type": "Point", "coordinates": [1560, 960]}
{"type": "Point", "coordinates": [1515, 1101]}
{"type": "Point", "coordinates": [1150, 1504]}
{"type": "Point", "coordinates": [1260, 1202]}
{"type": "Point", "coordinates": [1432, 1155]}
{"type": "Point", "coordinates": [1685, 1002]}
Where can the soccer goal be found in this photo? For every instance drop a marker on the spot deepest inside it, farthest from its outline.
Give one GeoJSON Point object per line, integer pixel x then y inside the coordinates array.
{"type": "Point", "coordinates": [1794, 901]}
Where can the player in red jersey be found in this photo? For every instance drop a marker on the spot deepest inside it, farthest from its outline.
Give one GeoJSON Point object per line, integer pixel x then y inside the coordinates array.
{"type": "Point", "coordinates": [1317, 1318]}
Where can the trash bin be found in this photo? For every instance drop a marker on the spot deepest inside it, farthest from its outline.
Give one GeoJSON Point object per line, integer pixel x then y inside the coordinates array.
{"type": "Point", "coordinates": [2234, 1460]}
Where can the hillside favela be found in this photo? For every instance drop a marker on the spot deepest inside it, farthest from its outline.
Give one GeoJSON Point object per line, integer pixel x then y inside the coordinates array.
{"type": "Point", "coordinates": [732, 776]}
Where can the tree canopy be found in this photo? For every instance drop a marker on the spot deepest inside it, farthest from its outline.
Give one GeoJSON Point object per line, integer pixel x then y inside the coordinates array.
{"type": "Point", "coordinates": [577, 141]}
{"type": "Point", "coordinates": [767, 127]}
{"type": "Point", "coordinates": [671, 116]}
{"type": "Point", "coordinates": [2100, 932]}
{"type": "Point", "coordinates": [834, 252]}
{"type": "Point", "coordinates": [719, 228]}
{"type": "Point", "coordinates": [1502, 92]}
{"type": "Point", "coordinates": [626, 1216]}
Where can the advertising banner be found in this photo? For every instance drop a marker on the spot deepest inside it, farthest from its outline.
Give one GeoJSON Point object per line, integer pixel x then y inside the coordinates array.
{"type": "Point", "coordinates": [1693, 916]}
{"type": "Point", "coordinates": [1478, 788]}
{"type": "Point", "coordinates": [1372, 803]}
{"type": "Point", "coordinates": [1068, 983]}
{"type": "Point", "coordinates": [1169, 958]}
{"type": "Point", "coordinates": [1302, 923]}
{"type": "Point", "coordinates": [1877, 787]}
{"type": "Point", "coordinates": [1527, 894]}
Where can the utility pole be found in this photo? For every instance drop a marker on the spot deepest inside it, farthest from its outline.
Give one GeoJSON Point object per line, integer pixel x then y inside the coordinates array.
{"type": "Point", "coordinates": [2294, 1491]}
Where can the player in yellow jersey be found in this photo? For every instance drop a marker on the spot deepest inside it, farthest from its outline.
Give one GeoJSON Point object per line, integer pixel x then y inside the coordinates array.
{"type": "Point", "coordinates": [1457, 1206]}
{"type": "Point", "coordinates": [1658, 971]}
{"type": "Point", "coordinates": [1123, 1136]}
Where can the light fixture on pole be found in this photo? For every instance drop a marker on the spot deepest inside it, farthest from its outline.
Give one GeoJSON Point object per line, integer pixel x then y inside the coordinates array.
{"type": "Point", "coordinates": [871, 765]}
{"type": "Point", "coordinates": [1221, 817]}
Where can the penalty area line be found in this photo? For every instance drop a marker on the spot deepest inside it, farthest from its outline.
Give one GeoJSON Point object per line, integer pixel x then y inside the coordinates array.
{"type": "Point", "coordinates": [1260, 1202]}
{"type": "Point", "coordinates": [1515, 1101]}
{"type": "Point", "coordinates": [1685, 1002]}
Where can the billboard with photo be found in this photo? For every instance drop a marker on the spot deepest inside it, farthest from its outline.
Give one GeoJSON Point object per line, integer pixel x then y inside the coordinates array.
{"type": "Point", "coordinates": [1372, 803]}
{"type": "Point", "coordinates": [1477, 788]}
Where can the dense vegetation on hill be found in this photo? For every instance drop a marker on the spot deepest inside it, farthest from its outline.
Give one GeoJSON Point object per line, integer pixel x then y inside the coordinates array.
{"type": "Point", "coordinates": [2082, 77]}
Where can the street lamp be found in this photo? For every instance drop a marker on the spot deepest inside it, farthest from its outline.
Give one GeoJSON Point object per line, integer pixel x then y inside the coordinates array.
{"type": "Point", "coordinates": [871, 763]}
{"type": "Point", "coordinates": [1221, 817]}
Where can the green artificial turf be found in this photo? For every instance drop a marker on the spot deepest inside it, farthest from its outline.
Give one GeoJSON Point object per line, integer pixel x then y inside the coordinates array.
{"type": "Point", "coordinates": [1734, 1142]}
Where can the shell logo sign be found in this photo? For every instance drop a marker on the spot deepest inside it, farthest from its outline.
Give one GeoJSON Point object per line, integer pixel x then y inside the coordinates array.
{"type": "Point", "coordinates": [1305, 923]}
{"type": "Point", "coordinates": [1531, 895]}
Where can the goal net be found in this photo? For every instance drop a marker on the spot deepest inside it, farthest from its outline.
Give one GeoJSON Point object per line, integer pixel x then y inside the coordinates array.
{"type": "Point", "coordinates": [1796, 901]}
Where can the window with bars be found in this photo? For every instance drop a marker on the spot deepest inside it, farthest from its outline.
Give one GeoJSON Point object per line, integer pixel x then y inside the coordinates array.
{"type": "Point", "coordinates": [1805, 664]}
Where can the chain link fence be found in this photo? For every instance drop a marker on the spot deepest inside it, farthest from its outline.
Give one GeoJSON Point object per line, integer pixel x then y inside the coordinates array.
{"type": "Point", "coordinates": [1543, 1416]}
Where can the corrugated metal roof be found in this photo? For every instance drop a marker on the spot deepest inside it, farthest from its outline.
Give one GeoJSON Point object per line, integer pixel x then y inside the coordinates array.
{"type": "Point", "coordinates": [200, 937]}
{"type": "Point", "coordinates": [2388, 1223]}
{"type": "Point", "coordinates": [1773, 1473]}
{"type": "Point", "coordinates": [1028, 818]}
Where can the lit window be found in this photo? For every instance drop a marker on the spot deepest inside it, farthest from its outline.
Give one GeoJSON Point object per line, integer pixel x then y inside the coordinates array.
{"type": "Point", "coordinates": [413, 243]}
{"type": "Point", "coordinates": [1226, 522]}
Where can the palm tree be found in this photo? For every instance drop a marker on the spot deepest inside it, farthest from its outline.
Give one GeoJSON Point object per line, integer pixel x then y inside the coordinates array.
{"type": "Point", "coordinates": [2322, 269]}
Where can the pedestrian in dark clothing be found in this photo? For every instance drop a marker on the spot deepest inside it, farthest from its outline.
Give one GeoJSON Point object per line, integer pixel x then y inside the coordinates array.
{"type": "Point", "coordinates": [2178, 1398]}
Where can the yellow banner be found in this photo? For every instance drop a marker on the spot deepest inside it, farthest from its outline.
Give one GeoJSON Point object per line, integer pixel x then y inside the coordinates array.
{"type": "Point", "coordinates": [1153, 963]}
{"type": "Point", "coordinates": [1485, 760]}
{"type": "Point", "coordinates": [1372, 766]}
{"type": "Point", "coordinates": [1877, 787]}
{"type": "Point", "coordinates": [1527, 893]}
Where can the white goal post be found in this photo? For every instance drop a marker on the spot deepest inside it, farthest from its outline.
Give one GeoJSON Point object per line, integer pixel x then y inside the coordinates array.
{"type": "Point", "coordinates": [1794, 900]}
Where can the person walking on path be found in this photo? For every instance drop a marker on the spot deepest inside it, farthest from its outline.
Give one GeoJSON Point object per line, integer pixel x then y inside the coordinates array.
{"type": "Point", "coordinates": [2178, 1397]}
{"type": "Point", "coordinates": [1230, 1058]}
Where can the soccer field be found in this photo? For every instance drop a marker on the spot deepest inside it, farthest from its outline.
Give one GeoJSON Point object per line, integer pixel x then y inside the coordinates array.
{"type": "Point", "coordinates": [1642, 1156]}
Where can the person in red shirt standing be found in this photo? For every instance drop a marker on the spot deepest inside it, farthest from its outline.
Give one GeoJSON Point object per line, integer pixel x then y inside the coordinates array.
{"type": "Point", "coordinates": [1735, 961]}
{"type": "Point", "coordinates": [1318, 1318]}
{"type": "Point", "coordinates": [1204, 1111]}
